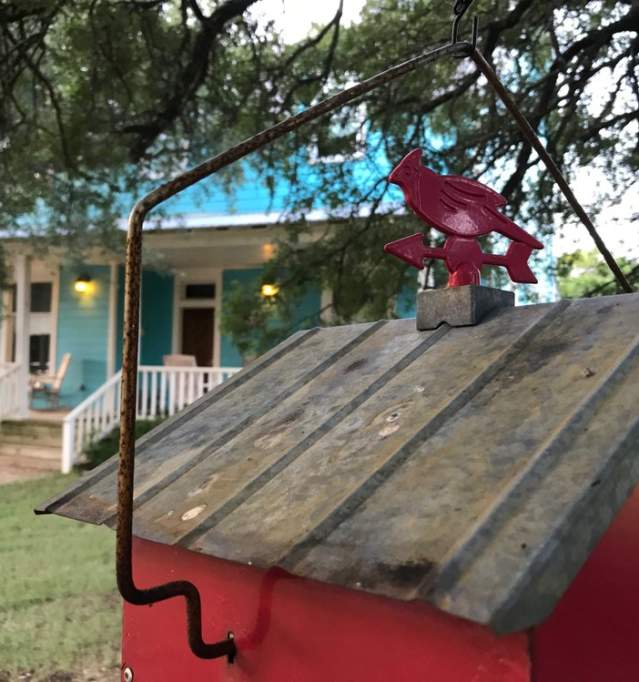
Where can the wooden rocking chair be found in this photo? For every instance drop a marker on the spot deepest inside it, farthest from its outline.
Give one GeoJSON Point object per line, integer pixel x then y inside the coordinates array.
{"type": "Point", "coordinates": [49, 385]}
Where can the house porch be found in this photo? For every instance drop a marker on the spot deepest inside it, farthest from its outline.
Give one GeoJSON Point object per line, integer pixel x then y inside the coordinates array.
{"type": "Point", "coordinates": [56, 307]}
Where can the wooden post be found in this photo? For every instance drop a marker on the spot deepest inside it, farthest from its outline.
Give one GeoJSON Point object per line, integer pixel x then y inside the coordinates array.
{"type": "Point", "coordinates": [68, 446]}
{"type": "Point", "coordinates": [5, 340]}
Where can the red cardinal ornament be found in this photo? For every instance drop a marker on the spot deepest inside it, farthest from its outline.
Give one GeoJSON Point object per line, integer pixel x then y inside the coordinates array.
{"type": "Point", "coordinates": [463, 209]}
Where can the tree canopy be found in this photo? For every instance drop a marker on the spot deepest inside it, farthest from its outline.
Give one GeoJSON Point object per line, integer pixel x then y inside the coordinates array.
{"type": "Point", "coordinates": [99, 99]}
{"type": "Point", "coordinates": [582, 274]}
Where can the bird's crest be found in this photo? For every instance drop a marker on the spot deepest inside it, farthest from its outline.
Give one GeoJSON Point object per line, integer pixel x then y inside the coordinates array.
{"type": "Point", "coordinates": [413, 158]}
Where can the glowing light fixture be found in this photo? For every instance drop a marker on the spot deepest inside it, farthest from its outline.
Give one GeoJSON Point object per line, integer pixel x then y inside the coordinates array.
{"type": "Point", "coordinates": [82, 284]}
{"type": "Point", "coordinates": [270, 290]}
{"type": "Point", "coordinates": [267, 251]}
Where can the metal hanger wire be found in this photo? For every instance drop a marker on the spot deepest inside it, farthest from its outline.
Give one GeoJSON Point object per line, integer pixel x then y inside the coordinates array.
{"type": "Point", "coordinates": [124, 562]}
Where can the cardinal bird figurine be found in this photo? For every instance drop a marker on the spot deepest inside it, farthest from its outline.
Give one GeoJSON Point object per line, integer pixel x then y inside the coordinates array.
{"type": "Point", "coordinates": [463, 209]}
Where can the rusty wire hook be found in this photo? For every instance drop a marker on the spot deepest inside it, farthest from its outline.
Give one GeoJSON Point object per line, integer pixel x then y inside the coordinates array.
{"type": "Point", "coordinates": [459, 9]}
{"type": "Point", "coordinates": [133, 267]}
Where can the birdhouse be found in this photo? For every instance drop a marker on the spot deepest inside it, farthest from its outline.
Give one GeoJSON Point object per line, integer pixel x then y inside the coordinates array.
{"type": "Point", "coordinates": [451, 500]}
{"type": "Point", "coordinates": [376, 502]}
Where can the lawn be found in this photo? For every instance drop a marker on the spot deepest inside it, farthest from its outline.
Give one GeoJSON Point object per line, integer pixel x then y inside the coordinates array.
{"type": "Point", "coordinates": [59, 610]}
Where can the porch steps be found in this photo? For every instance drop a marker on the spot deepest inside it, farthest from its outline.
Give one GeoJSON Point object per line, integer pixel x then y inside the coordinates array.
{"type": "Point", "coordinates": [31, 445]}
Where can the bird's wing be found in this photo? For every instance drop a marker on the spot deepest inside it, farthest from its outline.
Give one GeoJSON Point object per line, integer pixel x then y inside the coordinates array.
{"type": "Point", "coordinates": [465, 191]}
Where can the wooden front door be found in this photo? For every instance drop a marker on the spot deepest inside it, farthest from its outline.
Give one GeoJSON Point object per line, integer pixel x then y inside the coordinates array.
{"type": "Point", "coordinates": [197, 334]}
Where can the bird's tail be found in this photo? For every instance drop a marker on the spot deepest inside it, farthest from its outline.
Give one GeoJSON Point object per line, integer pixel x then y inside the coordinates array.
{"type": "Point", "coordinates": [509, 229]}
{"type": "Point", "coordinates": [516, 262]}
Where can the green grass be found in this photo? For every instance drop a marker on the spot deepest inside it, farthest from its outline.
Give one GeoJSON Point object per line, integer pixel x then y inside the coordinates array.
{"type": "Point", "coordinates": [59, 609]}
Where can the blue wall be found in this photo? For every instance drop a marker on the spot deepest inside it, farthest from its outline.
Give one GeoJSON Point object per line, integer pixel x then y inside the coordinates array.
{"type": "Point", "coordinates": [250, 277]}
{"type": "Point", "coordinates": [157, 317]}
{"type": "Point", "coordinates": [307, 310]}
{"type": "Point", "coordinates": [83, 332]}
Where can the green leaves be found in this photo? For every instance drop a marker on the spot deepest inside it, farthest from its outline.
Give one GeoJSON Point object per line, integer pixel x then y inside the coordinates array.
{"type": "Point", "coordinates": [99, 100]}
{"type": "Point", "coordinates": [583, 274]}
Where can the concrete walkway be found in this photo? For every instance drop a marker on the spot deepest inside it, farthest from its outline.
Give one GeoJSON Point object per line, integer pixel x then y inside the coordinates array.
{"type": "Point", "coordinates": [12, 470]}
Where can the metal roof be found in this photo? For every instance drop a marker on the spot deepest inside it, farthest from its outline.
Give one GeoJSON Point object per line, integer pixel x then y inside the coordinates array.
{"type": "Point", "coordinates": [474, 468]}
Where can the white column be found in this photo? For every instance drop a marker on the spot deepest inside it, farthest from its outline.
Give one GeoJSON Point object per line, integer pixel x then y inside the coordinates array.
{"type": "Point", "coordinates": [5, 311]}
{"type": "Point", "coordinates": [55, 314]}
{"type": "Point", "coordinates": [22, 276]}
{"type": "Point", "coordinates": [113, 321]}
{"type": "Point", "coordinates": [177, 312]}
{"type": "Point", "coordinates": [217, 304]}
{"type": "Point", "coordinates": [326, 302]}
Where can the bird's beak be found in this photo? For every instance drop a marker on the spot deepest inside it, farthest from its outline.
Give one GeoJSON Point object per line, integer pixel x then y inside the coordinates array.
{"type": "Point", "coordinates": [394, 177]}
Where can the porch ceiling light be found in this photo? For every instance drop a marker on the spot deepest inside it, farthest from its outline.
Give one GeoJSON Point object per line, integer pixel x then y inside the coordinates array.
{"type": "Point", "coordinates": [82, 284]}
{"type": "Point", "coordinates": [270, 290]}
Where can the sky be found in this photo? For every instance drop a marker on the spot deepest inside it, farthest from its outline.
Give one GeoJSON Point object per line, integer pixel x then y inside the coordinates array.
{"type": "Point", "coordinates": [295, 18]}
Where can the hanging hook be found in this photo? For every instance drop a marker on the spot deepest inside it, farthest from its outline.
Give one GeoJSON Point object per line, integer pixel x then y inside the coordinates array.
{"type": "Point", "coordinates": [459, 9]}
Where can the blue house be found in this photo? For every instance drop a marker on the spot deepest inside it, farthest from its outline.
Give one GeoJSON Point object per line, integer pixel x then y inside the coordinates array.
{"type": "Point", "coordinates": [62, 330]}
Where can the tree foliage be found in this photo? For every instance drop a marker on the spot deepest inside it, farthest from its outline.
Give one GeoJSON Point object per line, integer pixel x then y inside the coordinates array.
{"type": "Point", "coordinates": [572, 68]}
{"type": "Point", "coordinates": [582, 274]}
{"type": "Point", "coordinates": [99, 99]}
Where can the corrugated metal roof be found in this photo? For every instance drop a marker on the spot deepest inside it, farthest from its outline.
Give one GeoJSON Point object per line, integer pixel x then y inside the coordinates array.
{"type": "Point", "coordinates": [473, 467]}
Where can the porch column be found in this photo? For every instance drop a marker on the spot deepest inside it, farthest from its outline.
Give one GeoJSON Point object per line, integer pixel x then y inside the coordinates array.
{"type": "Point", "coordinates": [112, 322]}
{"type": "Point", "coordinates": [22, 276]}
{"type": "Point", "coordinates": [5, 311]}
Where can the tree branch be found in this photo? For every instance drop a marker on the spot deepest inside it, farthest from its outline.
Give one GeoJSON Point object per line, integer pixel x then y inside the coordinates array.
{"type": "Point", "coordinates": [188, 80]}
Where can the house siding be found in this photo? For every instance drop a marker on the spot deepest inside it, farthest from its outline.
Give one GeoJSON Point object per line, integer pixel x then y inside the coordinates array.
{"type": "Point", "coordinates": [229, 354]}
{"type": "Point", "coordinates": [308, 310]}
{"type": "Point", "coordinates": [83, 321]}
{"type": "Point", "coordinates": [157, 317]}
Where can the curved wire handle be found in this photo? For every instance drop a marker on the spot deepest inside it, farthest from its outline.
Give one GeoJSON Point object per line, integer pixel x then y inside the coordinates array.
{"type": "Point", "coordinates": [124, 565]}
{"type": "Point", "coordinates": [124, 539]}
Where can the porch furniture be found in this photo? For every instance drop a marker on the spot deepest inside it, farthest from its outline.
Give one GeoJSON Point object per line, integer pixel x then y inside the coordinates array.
{"type": "Point", "coordinates": [180, 383]}
{"type": "Point", "coordinates": [49, 385]}
{"type": "Point", "coordinates": [177, 360]}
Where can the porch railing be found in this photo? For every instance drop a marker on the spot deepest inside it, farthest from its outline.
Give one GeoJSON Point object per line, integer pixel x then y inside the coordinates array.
{"type": "Point", "coordinates": [162, 391]}
{"type": "Point", "coordinates": [10, 386]}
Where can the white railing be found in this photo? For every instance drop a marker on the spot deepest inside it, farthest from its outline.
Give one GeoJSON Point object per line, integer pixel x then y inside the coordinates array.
{"type": "Point", "coordinates": [93, 418]}
{"type": "Point", "coordinates": [10, 385]}
{"type": "Point", "coordinates": [162, 391]}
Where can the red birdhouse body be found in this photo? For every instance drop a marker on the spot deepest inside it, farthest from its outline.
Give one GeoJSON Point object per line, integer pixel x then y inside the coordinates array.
{"type": "Point", "coordinates": [374, 503]}
{"type": "Point", "coordinates": [292, 629]}
{"type": "Point", "coordinates": [463, 209]}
